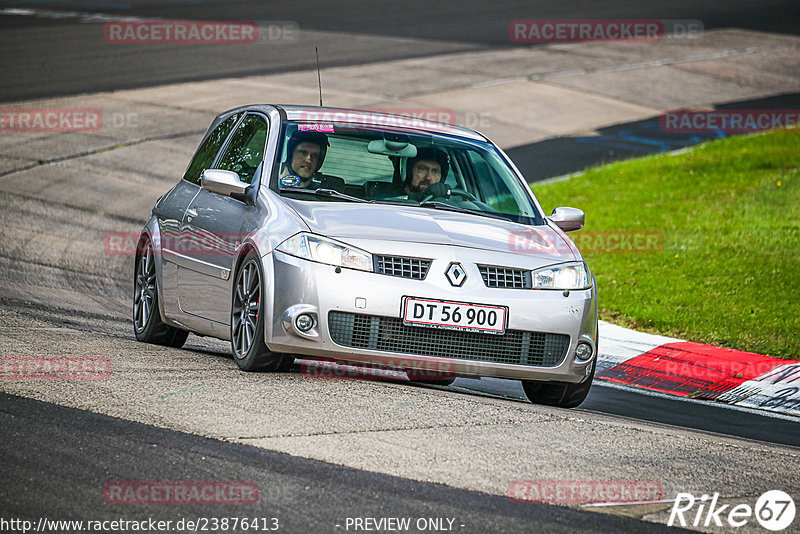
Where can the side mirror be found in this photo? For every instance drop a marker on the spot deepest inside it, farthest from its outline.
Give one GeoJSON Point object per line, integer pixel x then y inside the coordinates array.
{"type": "Point", "coordinates": [568, 219]}
{"type": "Point", "coordinates": [226, 183]}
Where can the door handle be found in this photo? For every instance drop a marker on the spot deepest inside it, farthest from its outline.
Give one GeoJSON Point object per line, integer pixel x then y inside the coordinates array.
{"type": "Point", "coordinates": [191, 213]}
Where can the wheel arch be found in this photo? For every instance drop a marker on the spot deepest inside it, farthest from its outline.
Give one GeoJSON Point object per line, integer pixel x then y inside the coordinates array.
{"type": "Point", "coordinates": [249, 246]}
{"type": "Point", "coordinates": [147, 235]}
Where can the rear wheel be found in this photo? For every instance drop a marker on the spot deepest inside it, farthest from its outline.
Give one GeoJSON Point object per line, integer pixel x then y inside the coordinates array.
{"type": "Point", "coordinates": [147, 323]}
{"type": "Point", "coordinates": [247, 321]}
{"type": "Point", "coordinates": [561, 394]}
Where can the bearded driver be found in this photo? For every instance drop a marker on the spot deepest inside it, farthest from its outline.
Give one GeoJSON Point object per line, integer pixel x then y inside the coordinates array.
{"type": "Point", "coordinates": [305, 153]}
{"type": "Point", "coordinates": [424, 174]}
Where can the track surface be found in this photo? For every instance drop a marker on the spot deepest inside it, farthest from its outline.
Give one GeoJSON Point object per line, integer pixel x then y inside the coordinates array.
{"type": "Point", "coordinates": [45, 56]}
{"type": "Point", "coordinates": [304, 495]}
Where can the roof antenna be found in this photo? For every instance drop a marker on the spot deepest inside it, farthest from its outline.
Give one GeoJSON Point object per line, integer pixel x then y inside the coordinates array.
{"type": "Point", "coordinates": [319, 80]}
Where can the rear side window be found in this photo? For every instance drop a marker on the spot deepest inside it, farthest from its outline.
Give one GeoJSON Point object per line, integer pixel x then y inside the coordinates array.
{"type": "Point", "coordinates": [348, 158]}
{"type": "Point", "coordinates": [246, 149]}
{"type": "Point", "coordinates": [204, 156]}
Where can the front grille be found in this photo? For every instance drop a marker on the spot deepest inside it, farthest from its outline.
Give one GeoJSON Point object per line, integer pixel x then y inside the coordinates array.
{"type": "Point", "coordinates": [505, 277]}
{"type": "Point", "coordinates": [389, 334]}
{"type": "Point", "coordinates": [414, 268]}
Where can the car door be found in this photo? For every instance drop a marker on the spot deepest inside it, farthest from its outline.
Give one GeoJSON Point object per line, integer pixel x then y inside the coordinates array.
{"type": "Point", "coordinates": [215, 226]}
{"type": "Point", "coordinates": [172, 209]}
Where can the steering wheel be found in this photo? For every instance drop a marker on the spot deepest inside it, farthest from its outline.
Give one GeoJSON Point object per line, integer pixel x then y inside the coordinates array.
{"type": "Point", "coordinates": [460, 192]}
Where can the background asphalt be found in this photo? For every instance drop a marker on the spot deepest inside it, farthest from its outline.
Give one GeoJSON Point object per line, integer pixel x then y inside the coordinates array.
{"type": "Point", "coordinates": [48, 56]}
{"type": "Point", "coordinates": [65, 480]}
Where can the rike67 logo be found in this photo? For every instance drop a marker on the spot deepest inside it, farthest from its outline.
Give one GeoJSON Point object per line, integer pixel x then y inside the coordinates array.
{"type": "Point", "coordinates": [774, 510]}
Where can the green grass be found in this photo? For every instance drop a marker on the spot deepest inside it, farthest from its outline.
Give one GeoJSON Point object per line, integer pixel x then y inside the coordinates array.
{"type": "Point", "coordinates": [727, 213]}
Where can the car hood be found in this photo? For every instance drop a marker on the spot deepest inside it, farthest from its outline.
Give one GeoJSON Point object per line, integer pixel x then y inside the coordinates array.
{"type": "Point", "coordinates": [410, 224]}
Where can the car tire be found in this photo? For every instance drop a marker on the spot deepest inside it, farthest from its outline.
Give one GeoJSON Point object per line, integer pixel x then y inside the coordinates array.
{"type": "Point", "coordinates": [561, 394]}
{"type": "Point", "coordinates": [250, 352]}
{"type": "Point", "coordinates": [147, 323]}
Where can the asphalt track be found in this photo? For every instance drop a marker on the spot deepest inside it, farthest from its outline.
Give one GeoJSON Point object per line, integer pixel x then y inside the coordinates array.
{"type": "Point", "coordinates": [564, 155]}
{"type": "Point", "coordinates": [46, 56]}
{"type": "Point", "coordinates": [85, 450]}
{"type": "Point", "coordinates": [664, 409]}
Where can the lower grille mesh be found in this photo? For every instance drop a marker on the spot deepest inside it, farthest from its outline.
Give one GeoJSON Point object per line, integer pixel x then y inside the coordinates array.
{"type": "Point", "coordinates": [389, 334]}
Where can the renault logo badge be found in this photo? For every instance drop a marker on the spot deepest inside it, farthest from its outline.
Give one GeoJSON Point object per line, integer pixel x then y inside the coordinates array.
{"type": "Point", "coordinates": [455, 274]}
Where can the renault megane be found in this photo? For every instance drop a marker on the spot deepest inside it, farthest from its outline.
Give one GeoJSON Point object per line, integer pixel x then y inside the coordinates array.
{"type": "Point", "coordinates": [368, 238]}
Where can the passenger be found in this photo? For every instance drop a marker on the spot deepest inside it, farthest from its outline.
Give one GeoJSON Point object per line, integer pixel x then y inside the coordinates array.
{"type": "Point", "coordinates": [424, 173]}
{"type": "Point", "coordinates": [305, 154]}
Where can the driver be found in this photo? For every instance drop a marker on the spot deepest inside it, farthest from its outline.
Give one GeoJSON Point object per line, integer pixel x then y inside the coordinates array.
{"type": "Point", "coordinates": [305, 153]}
{"type": "Point", "coordinates": [424, 173]}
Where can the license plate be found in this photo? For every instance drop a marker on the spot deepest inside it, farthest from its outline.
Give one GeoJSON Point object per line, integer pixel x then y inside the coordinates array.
{"type": "Point", "coordinates": [460, 316]}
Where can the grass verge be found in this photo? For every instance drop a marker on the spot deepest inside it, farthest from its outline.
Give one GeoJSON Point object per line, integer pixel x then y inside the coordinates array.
{"type": "Point", "coordinates": [717, 257]}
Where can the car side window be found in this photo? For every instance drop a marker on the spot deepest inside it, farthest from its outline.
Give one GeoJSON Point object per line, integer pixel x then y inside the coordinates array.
{"type": "Point", "coordinates": [490, 186]}
{"type": "Point", "coordinates": [246, 148]}
{"type": "Point", "coordinates": [204, 156]}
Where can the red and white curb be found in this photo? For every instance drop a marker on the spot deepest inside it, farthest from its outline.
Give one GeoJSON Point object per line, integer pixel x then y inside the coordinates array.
{"type": "Point", "coordinates": [698, 371]}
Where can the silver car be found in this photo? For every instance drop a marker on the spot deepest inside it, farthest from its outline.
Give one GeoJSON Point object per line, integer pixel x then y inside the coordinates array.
{"type": "Point", "coordinates": [372, 239]}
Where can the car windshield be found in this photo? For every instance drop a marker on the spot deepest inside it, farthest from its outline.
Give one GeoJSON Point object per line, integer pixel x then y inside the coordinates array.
{"type": "Point", "coordinates": [384, 165]}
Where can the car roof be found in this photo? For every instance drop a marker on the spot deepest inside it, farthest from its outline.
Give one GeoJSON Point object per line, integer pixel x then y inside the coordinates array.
{"type": "Point", "coordinates": [355, 116]}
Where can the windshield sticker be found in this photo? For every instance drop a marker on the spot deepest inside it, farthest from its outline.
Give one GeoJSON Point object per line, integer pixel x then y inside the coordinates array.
{"type": "Point", "coordinates": [326, 127]}
{"type": "Point", "coordinates": [290, 180]}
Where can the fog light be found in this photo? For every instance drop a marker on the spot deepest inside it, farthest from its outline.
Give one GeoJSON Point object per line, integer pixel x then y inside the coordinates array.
{"type": "Point", "coordinates": [584, 351]}
{"type": "Point", "coordinates": [304, 322]}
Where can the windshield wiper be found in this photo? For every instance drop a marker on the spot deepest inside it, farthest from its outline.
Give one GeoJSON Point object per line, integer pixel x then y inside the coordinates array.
{"type": "Point", "coordinates": [321, 192]}
{"type": "Point", "coordinates": [435, 204]}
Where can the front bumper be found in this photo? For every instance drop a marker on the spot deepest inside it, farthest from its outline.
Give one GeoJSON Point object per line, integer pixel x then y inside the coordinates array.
{"type": "Point", "coordinates": [302, 286]}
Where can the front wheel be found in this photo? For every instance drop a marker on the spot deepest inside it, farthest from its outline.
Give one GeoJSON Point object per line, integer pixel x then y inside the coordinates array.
{"type": "Point", "coordinates": [561, 394]}
{"type": "Point", "coordinates": [147, 323]}
{"type": "Point", "coordinates": [247, 321]}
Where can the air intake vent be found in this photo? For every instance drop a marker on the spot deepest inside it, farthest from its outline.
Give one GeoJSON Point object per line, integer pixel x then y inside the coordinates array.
{"type": "Point", "coordinates": [505, 277]}
{"type": "Point", "coordinates": [389, 334]}
{"type": "Point", "coordinates": [414, 268]}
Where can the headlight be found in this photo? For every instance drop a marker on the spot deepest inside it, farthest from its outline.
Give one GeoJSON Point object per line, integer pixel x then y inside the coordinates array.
{"type": "Point", "coordinates": [324, 250]}
{"type": "Point", "coordinates": [565, 276]}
